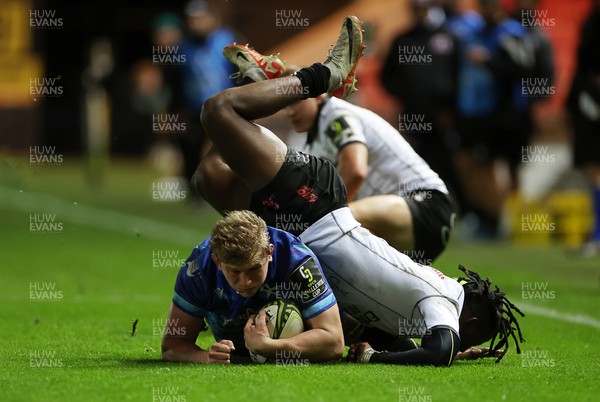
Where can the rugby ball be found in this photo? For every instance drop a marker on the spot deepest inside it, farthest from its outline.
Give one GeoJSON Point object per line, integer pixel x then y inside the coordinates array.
{"type": "Point", "coordinates": [284, 320]}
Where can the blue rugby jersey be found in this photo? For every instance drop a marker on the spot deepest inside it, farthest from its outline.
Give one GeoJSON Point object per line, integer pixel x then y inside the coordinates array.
{"type": "Point", "coordinates": [294, 274]}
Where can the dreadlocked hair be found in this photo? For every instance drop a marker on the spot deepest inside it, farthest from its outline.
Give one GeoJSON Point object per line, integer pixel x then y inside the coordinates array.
{"type": "Point", "coordinates": [501, 311]}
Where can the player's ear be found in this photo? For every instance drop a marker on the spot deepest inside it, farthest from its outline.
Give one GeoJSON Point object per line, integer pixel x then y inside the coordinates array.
{"type": "Point", "coordinates": [471, 321]}
{"type": "Point", "coordinates": [271, 249]}
{"type": "Point", "coordinates": [467, 323]}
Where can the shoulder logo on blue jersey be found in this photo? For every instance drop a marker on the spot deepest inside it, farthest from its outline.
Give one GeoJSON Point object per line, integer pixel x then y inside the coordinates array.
{"type": "Point", "coordinates": [308, 281]}
{"type": "Point", "coordinates": [192, 267]}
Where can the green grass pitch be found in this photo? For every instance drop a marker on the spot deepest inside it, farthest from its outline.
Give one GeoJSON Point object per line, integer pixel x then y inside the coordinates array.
{"type": "Point", "coordinates": [106, 254]}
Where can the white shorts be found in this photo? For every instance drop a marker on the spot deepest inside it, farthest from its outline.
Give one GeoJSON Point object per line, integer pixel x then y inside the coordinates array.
{"type": "Point", "coordinates": [378, 285]}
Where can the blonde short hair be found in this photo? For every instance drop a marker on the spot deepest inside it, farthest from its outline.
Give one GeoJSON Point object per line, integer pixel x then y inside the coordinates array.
{"type": "Point", "coordinates": [241, 237]}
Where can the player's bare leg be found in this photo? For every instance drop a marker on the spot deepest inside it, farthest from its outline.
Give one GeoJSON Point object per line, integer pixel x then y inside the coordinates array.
{"type": "Point", "coordinates": [249, 150]}
{"type": "Point", "coordinates": [387, 216]}
{"type": "Point", "coordinates": [253, 153]}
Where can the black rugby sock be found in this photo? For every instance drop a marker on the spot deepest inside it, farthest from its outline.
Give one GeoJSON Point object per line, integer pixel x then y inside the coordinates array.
{"type": "Point", "coordinates": [315, 78]}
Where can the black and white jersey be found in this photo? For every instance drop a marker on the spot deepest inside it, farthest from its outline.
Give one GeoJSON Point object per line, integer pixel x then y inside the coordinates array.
{"type": "Point", "coordinates": [393, 165]}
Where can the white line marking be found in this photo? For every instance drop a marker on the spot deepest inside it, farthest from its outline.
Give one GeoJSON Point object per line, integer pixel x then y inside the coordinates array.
{"type": "Point", "coordinates": [567, 317]}
{"type": "Point", "coordinates": [20, 200]}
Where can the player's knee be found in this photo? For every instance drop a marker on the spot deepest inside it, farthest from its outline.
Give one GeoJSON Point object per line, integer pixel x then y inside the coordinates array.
{"type": "Point", "coordinates": [213, 108]}
{"type": "Point", "coordinates": [210, 110]}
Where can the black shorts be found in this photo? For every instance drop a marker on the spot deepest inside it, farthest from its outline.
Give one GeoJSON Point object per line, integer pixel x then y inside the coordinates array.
{"type": "Point", "coordinates": [433, 218]}
{"type": "Point", "coordinates": [304, 190]}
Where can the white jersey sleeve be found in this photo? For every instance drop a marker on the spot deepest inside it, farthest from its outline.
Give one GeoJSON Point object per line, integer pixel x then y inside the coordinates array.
{"type": "Point", "coordinates": [393, 165]}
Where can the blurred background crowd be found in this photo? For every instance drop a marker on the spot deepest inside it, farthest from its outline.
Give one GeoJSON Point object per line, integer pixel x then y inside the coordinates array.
{"type": "Point", "coordinates": [501, 98]}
